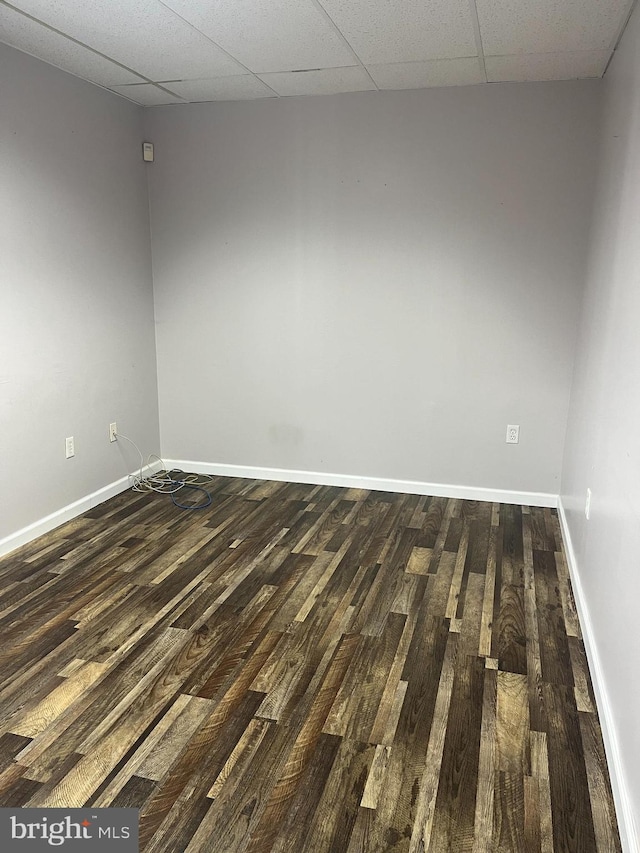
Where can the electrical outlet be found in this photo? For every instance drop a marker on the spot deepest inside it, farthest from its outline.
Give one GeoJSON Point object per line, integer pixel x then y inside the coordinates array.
{"type": "Point", "coordinates": [113, 432]}
{"type": "Point", "coordinates": [69, 447]}
{"type": "Point", "coordinates": [513, 434]}
{"type": "Point", "coordinates": [587, 505]}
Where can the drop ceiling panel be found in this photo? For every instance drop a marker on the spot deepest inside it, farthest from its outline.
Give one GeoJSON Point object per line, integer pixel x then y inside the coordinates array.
{"type": "Point", "coordinates": [381, 31]}
{"type": "Point", "coordinates": [556, 66]}
{"type": "Point", "coordinates": [323, 82]}
{"type": "Point", "coordinates": [279, 35]}
{"type": "Point", "coordinates": [548, 26]}
{"type": "Point", "coordinates": [143, 35]}
{"type": "Point", "coordinates": [435, 72]}
{"type": "Point", "coordinates": [146, 94]}
{"type": "Point", "coordinates": [240, 88]}
{"type": "Point", "coordinates": [331, 45]}
{"type": "Point", "coordinates": [31, 37]}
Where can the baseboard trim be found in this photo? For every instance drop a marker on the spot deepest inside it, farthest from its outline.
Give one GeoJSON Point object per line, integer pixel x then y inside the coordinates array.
{"type": "Point", "coordinates": [350, 481]}
{"type": "Point", "coordinates": [624, 811]}
{"type": "Point", "coordinates": [72, 510]}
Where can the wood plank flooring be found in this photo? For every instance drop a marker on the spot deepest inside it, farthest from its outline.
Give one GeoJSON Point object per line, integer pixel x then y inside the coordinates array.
{"type": "Point", "coordinates": [305, 668]}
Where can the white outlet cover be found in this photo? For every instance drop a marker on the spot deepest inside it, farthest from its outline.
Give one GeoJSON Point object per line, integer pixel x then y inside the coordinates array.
{"type": "Point", "coordinates": [69, 447]}
{"type": "Point", "coordinates": [513, 434]}
{"type": "Point", "coordinates": [587, 505]}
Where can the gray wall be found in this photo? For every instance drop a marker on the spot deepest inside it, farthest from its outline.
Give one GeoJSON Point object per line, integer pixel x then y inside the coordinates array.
{"type": "Point", "coordinates": [77, 346]}
{"type": "Point", "coordinates": [373, 284]}
{"type": "Point", "coordinates": [603, 436]}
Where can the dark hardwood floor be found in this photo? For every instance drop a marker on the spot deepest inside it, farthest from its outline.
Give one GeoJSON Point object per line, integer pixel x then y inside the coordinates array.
{"type": "Point", "coordinates": [305, 668]}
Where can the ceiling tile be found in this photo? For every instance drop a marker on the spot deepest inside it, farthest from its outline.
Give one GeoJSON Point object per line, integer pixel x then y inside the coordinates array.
{"type": "Point", "coordinates": [145, 36]}
{"type": "Point", "coordinates": [325, 81]}
{"type": "Point", "coordinates": [387, 31]}
{"type": "Point", "coordinates": [242, 87]}
{"type": "Point", "coordinates": [280, 35]}
{"type": "Point", "coordinates": [403, 43]}
{"type": "Point", "coordinates": [546, 66]}
{"type": "Point", "coordinates": [435, 72]}
{"type": "Point", "coordinates": [31, 37]}
{"type": "Point", "coordinates": [146, 94]}
{"type": "Point", "coordinates": [548, 26]}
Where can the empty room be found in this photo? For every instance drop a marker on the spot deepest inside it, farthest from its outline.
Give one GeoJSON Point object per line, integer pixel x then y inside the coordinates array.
{"type": "Point", "coordinates": [320, 426]}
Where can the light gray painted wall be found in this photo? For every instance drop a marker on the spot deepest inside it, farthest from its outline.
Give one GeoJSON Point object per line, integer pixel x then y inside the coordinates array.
{"type": "Point", "coordinates": [373, 284]}
{"type": "Point", "coordinates": [603, 435]}
{"type": "Point", "coordinates": [77, 346]}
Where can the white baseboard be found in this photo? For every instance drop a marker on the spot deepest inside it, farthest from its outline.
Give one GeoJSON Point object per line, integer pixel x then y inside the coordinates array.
{"type": "Point", "coordinates": [60, 516]}
{"type": "Point", "coordinates": [624, 811]}
{"type": "Point", "coordinates": [350, 481]}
